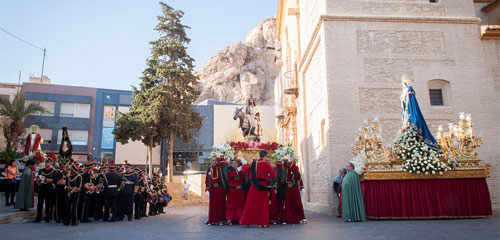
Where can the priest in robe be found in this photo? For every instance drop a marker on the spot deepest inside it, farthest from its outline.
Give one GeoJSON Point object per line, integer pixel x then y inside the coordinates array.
{"type": "Point", "coordinates": [353, 208]}
{"type": "Point", "coordinates": [293, 210]}
{"type": "Point", "coordinates": [215, 186]}
{"type": "Point", "coordinates": [235, 201]}
{"type": "Point", "coordinates": [256, 210]}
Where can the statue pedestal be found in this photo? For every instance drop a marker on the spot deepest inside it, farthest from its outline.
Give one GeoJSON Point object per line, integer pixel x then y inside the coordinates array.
{"type": "Point", "coordinates": [251, 154]}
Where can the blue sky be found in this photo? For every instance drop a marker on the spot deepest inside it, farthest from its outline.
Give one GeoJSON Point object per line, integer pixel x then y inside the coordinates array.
{"type": "Point", "coordinates": [105, 43]}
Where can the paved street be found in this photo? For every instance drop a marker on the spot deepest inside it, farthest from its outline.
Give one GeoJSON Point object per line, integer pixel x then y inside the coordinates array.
{"type": "Point", "coordinates": [187, 223]}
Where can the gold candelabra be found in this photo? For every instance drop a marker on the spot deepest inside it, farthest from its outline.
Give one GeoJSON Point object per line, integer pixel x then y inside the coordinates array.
{"type": "Point", "coordinates": [459, 143]}
{"type": "Point", "coordinates": [369, 142]}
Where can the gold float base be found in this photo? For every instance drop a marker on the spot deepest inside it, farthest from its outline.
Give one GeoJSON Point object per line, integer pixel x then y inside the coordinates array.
{"type": "Point", "coordinates": [483, 172]}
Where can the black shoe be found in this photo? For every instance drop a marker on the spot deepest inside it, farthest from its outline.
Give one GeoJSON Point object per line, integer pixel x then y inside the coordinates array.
{"type": "Point", "coordinates": [129, 219]}
{"type": "Point", "coordinates": [37, 221]}
{"type": "Point", "coordinates": [113, 220]}
{"type": "Point", "coordinates": [47, 221]}
{"type": "Point", "coordinates": [23, 209]}
{"type": "Point", "coordinates": [74, 224]}
{"type": "Point", "coordinates": [145, 216]}
{"type": "Point", "coordinates": [85, 221]}
{"type": "Point", "coordinates": [105, 220]}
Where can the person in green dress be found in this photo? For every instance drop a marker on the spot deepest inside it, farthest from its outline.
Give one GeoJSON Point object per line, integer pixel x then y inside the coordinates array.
{"type": "Point", "coordinates": [353, 209]}
{"type": "Point", "coordinates": [25, 192]}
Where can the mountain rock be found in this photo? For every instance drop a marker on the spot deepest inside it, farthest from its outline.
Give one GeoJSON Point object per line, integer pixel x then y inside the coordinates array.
{"type": "Point", "coordinates": [243, 69]}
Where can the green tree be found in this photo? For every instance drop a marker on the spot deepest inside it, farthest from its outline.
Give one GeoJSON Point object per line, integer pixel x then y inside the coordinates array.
{"type": "Point", "coordinates": [162, 105]}
{"type": "Point", "coordinates": [15, 112]}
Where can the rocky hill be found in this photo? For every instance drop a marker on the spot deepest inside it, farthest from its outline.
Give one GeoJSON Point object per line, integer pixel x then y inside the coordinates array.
{"type": "Point", "coordinates": [243, 69]}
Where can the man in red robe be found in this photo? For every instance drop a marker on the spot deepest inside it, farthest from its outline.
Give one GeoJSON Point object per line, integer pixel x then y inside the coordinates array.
{"type": "Point", "coordinates": [215, 185]}
{"type": "Point", "coordinates": [235, 193]}
{"type": "Point", "coordinates": [256, 210]}
{"type": "Point", "coordinates": [292, 210]}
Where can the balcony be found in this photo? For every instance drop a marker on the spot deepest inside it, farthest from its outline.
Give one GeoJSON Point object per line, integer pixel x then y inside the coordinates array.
{"type": "Point", "coordinates": [290, 84]}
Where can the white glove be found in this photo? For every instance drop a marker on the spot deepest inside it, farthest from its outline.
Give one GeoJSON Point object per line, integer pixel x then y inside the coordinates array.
{"type": "Point", "coordinates": [243, 161]}
{"type": "Point", "coordinates": [239, 169]}
{"type": "Point", "coordinates": [302, 191]}
{"type": "Point", "coordinates": [208, 193]}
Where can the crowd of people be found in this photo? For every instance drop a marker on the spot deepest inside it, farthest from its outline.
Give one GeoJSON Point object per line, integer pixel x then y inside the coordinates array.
{"type": "Point", "coordinates": [254, 194]}
{"type": "Point", "coordinates": [71, 193]}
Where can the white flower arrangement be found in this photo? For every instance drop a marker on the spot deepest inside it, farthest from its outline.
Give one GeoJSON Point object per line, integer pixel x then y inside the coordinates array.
{"type": "Point", "coordinates": [419, 158]}
{"type": "Point", "coordinates": [224, 150]}
{"type": "Point", "coordinates": [286, 151]}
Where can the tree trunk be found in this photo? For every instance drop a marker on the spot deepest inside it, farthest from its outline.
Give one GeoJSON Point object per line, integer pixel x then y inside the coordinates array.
{"type": "Point", "coordinates": [171, 157]}
{"type": "Point", "coordinates": [150, 167]}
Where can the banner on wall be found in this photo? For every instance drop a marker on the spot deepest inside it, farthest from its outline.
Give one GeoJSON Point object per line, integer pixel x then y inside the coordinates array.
{"type": "Point", "coordinates": [108, 139]}
{"type": "Point", "coordinates": [109, 116]}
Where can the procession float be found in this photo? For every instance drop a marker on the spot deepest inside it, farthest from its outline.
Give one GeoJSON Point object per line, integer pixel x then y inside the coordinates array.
{"type": "Point", "coordinates": [419, 176]}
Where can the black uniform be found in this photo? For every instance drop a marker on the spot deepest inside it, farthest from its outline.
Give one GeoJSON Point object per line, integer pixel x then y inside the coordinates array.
{"type": "Point", "coordinates": [61, 195]}
{"type": "Point", "coordinates": [88, 197]}
{"type": "Point", "coordinates": [45, 192]}
{"type": "Point", "coordinates": [139, 198]}
{"type": "Point", "coordinates": [72, 182]}
{"type": "Point", "coordinates": [127, 194]}
{"type": "Point", "coordinates": [111, 183]}
{"type": "Point", "coordinates": [99, 199]}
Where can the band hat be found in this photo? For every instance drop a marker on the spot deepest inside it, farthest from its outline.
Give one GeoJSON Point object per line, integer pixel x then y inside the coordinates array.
{"type": "Point", "coordinates": [74, 168]}
{"type": "Point", "coordinates": [89, 165]}
{"type": "Point", "coordinates": [112, 166]}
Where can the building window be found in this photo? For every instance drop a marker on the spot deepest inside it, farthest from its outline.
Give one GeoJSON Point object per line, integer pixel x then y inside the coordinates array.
{"type": "Point", "coordinates": [436, 97]}
{"type": "Point", "coordinates": [434, 1]}
{"type": "Point", "coordinates": [77, 110]}
{"type": "Point", "coordinates": [6, 97]}
{"type": "Point", "coordinates": [49, 106]}
{"type": "Point", "coordinates": [323, 135]}
{"type": "Point", "coordinates": [46, 134]}
{"type": "Point", "coordinates": [77, 137]}
{"type": "Point", "coordinates": [439, 92]}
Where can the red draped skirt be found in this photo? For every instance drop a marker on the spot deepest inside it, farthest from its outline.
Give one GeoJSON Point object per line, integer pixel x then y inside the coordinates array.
{"type": "Point", "coordinates": [293, 209]}
{"type": "Point", "coordinates": [256, 210]}
{"type": "Point", "coordinates": [235, 204]}
{"type": "Point", "coordinates": [216, 206]}
{"type": "Point", "coordinates": [428, 198]}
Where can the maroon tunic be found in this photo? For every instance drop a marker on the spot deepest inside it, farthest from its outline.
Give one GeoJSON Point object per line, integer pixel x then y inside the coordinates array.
{"type": "Point", "coordinates": [217, 202]}
{"type": "Point", "coordinates": [292, 210]}
{"type": "Point", "coordinates": [235, 195]}
{"type": "Point", "coordinates": [256, 210]}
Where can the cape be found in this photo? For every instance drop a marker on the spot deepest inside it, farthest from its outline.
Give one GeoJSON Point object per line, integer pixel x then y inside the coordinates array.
{"type": "Point", "coordinates": [352, 199]}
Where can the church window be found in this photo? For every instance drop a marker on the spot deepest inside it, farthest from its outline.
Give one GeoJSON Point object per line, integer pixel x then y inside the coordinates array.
{"type": "Point", "coordinates": [436, 97]}
{"type": "Point", "coordinates": [439, 92]}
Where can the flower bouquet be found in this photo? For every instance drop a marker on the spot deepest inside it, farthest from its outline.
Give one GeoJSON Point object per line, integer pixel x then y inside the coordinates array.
{"type": "Point", "coordinates": [419, 158]}
{"type": "Point", "coordinates": [223, 150]}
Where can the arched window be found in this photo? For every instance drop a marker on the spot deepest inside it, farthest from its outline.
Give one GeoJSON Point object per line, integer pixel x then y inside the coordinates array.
{"type": "Point", "coordinates": [439, 92]}
{"type": "Point", "coordinates": [323, 135]}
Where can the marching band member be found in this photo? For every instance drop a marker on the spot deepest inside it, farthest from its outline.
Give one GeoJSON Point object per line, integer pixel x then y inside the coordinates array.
{"type": "Point", "coordinates": [88, 190]}
{"type": "Point", "coordinates": [44, 181]}
{"type": "Point", "coordinates": [73, 185]}
{"type": "Point", "coordinates": [111, 183]}
{"type": "Point", "coordinates": [126, 196]}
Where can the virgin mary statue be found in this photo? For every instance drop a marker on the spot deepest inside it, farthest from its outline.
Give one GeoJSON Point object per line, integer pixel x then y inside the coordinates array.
{"type": "Point", "coordinates": [412, 116]}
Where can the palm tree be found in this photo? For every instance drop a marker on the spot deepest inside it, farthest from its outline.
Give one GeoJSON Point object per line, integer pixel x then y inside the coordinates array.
{"type": "Point", "coordinates": [15, 113]}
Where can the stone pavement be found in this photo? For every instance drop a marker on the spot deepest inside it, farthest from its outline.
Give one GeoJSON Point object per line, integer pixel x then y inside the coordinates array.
{"type": "Point", "coordinates": [9, 215]}
{"type": "Point", "coordinates": [187, 223]}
